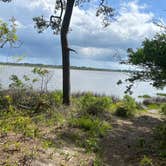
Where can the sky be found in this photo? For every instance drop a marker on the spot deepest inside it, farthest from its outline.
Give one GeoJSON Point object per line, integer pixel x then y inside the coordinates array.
{"type": "Point", "coordinates": [96, 46]}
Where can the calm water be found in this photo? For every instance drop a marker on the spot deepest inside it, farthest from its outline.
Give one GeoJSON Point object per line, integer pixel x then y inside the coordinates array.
{"type": "Point", "coordinates": [82, 80]}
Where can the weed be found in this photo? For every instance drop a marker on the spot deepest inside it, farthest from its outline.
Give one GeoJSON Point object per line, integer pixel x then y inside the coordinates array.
{"type": "Point", "coordinates": [146, 161]}
{"type": "Point", "coordinates": [94, 129]}
{"type": "Point", "coordinates": [57, 98]}
{"type": "Point", "coordinates": [94, 126]}
{"type": "Point", "coordinates": [48, 143]}
{"type": "Point", "coordinates": [18, 123]}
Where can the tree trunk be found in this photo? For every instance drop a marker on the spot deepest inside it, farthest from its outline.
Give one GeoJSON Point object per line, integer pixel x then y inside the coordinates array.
{"type": "Point", "coordinates": [66, 52]}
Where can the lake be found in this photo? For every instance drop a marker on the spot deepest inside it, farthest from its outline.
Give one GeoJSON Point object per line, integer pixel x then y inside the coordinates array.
{"type": "Point", "coordinates": [100, 82]}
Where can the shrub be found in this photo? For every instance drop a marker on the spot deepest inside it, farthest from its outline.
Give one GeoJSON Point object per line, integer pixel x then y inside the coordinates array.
{"type": "Point", "coordinates": [57, 97]}
{"type": "Point", "coordinates": [163, 109]}
{"type": "Point", "coordinates": [92, 105]}
{"type": "Point", "coordinates": [127, 107]}
{"type": "Point", "coordinates": [160, 135]}
{"type": "Point", "coordinates": [16, 122]}
{"type": "Point", "coordinates": [5, 101]}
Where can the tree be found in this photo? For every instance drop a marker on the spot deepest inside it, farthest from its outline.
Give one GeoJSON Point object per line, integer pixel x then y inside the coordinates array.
{"type": "Point", "coordinates": [151, 59]}
{"type": "Point", "coordinates": [8, 33]}
{"type": "Point", "coordinates": [60, 23]}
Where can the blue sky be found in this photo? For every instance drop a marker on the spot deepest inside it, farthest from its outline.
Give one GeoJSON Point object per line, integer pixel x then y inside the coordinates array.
{"type": "Point", "coordinates": [96, 46]}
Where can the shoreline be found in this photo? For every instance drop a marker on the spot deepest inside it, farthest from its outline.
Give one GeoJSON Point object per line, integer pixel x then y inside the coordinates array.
{"type": "Point", "coordinates": [60, 67]}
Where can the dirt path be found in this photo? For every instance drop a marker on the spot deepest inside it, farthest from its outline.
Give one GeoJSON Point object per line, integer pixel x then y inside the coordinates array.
{"type": "Point", "coordinates": [130, 140]}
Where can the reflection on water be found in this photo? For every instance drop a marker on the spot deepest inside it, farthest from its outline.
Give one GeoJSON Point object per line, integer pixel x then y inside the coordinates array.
{"type": "Point", "coordinates": [82, 80]}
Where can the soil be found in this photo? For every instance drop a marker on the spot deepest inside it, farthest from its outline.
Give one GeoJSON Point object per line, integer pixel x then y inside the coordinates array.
{"type": "Point", "coordinates": [131, 139]}
{"type": "Point", "coordinates": [127, 143]}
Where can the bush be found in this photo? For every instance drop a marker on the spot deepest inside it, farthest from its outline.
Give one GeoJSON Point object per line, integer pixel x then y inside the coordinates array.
{"type": "Point", "coordinates": [127, 107]}
{"type": "Point", "coordinates": [163, 109]}
{"type": "Point", "coordinates": [57, 97]}
{"type": "Point", "coordinates": [5, 101]}
{"type": "Point", "coordinates": [93, 105]}
{"type": "Point", "coordinates": [16, 122]}
{"type": "Point", "coordinates": [160, 135]}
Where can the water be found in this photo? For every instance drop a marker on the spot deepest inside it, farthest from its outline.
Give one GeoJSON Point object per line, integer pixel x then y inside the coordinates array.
{"type": "Point", "coordinates": [100, 82]}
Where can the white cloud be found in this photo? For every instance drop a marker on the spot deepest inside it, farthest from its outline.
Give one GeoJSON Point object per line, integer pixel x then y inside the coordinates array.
{"type": "Point", "coordinates": [47, 5]}
{"type": "Point", "coordinates": [19, 24]}
{"type": "Point", "coordinates": [88, 37]}
{"type": "Point", "coordinates": [131, 27]}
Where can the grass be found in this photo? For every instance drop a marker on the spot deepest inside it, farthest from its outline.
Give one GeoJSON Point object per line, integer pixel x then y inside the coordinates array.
{"type": "Point", "coordinates": [153, 106]}
{"type": "Point", "coordinates": [41, 117]}
{"type": "Point", "coordinates": [33, 122]}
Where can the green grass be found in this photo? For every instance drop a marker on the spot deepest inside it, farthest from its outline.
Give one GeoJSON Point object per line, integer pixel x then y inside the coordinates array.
{"type": "Point", "coordinates": [95, 126]}
{"type": "Point", "coordinates": [84, 124]}
{"type": "Point", "coordinates": [153, 106]}
{"type": "Point", "coordinates": [86, 118]}
{"type": "Point", "coordinates": [16, 121]}
{"type": "Point", "coordinates": [93, 130]}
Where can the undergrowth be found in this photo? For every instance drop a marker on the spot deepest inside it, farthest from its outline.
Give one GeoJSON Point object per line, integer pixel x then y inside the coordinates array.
{"type": "Point", "coordinates": [127, 107]}
{"type": "Point", "coordinates": [41, 116]}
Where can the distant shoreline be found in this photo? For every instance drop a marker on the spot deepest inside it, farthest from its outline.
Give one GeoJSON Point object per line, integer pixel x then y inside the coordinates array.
{"type": "Point", "coordinates": [60, 67]}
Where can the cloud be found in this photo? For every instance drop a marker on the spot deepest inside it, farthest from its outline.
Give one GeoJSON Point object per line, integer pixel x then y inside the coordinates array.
{"type": "Point", "coordinates": [47, 5]}
{"type": "Point", "coordinates": [94, 44]}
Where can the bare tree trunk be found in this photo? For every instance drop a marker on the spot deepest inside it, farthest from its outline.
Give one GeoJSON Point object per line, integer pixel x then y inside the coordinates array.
{"type": "Point", "coordinates": [66, 52]}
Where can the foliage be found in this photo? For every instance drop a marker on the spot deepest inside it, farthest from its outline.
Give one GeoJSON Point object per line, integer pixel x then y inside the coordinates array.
{"type": "Point", "coordinates": [146, 161]}
{"type": "Point", "coordinates": [16, 82]}
{"type": "Point", "coordinates": [44, 76]}
{"type": "Point", "coordinates": [160, 135]}
{"type": "Point", "coordinates": [57, 97]}
{"type": "Point", "coordinates": [8, 33]}
{"type": "Point", "coordinates": [25, 83]}
{"type": "Point", "coordinates": [22, 94]}
{"type": "Point", "coordinates": [104, 10]}
{"type": "Point", "coordinates": [151, 58]}
{"type": "Point", "coordinates": [93, 105]}
{"type": "Point", "coordinates": [60, 22]}
{"type": "Point", "coordinates": [127, 107]}
{"type": "Point", "coordinates": [17, 122]}
{"type": "Point", "coordinates": [94, 128]}
{"type": "Point", "coordinates": [5, 101]}
{"type": "Point", "coordinates": [163, 109]}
